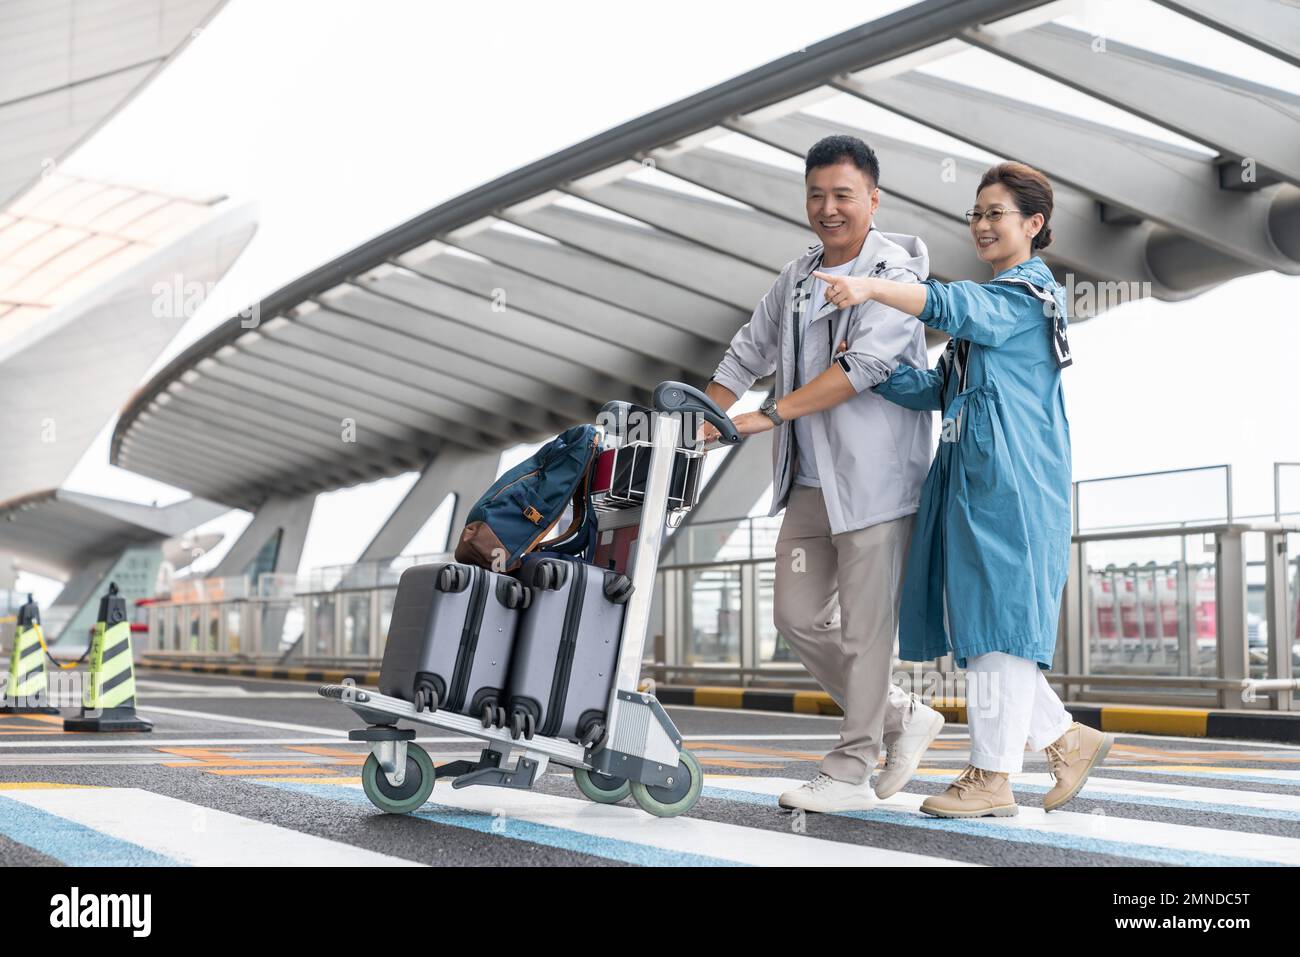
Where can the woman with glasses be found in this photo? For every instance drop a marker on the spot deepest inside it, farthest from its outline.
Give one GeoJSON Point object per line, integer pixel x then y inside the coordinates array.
{"type": "Point", "coordinates": [990, 549]}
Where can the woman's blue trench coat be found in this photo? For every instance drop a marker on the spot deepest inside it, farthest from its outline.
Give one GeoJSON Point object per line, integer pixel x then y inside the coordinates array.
{"type": "Point", "coordinates": [993, 528]}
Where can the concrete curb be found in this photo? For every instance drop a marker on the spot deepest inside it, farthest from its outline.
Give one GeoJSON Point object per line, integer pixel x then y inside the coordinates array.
{"type": "Point", "coordinates": [1133, 719]}
{"type": "Point", "coordinates": [326, 676]}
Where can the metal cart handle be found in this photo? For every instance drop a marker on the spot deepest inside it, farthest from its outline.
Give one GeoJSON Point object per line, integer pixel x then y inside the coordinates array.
{"type": "Point", "coordinates": [680, 397]}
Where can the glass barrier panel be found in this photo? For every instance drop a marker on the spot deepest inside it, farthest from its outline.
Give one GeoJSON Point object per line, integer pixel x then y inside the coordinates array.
{"type": "Point", "coordinates": [713, 615]}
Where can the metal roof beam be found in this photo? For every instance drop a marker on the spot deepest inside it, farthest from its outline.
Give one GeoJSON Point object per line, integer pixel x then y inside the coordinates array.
{"type": "Point", "coordinates": [1234, 116]}
{"type": "Point", "coordinates": [1161, 182]}
{"type": "Point", "coordinates": [513, 336]}
{"type": "Point", "coordinates": [413, 340]}
{"type": "Point", "coordinates": [947, 183]}
{"type": "Point", "coordinates": [611, 284]}
{"type": "Point", "coordinates": [1269, 25]}
{"type": "Point", "coordinates": [530, 288]}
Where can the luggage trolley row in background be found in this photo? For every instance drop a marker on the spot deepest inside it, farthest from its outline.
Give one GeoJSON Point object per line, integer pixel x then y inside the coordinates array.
{"type": "Point", "coordinates": [546, 660]}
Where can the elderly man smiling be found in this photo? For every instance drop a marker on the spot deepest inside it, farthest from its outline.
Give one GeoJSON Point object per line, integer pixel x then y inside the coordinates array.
{"type": "Point", "coordinates": [847, 468]}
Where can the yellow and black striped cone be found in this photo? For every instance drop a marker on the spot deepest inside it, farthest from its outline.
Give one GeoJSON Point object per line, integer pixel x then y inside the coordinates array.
{"type": "Point", "coordinates": [28, 690]}
{"type": "Point", "coordinates": [109, 701]}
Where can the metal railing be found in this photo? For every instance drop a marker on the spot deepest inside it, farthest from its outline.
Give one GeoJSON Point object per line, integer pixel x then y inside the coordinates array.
{"type": "Point", "coordinates": [1195, 613]}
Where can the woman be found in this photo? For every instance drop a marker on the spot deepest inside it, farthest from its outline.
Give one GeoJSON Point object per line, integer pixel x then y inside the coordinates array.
{"type": "Point", "coordinates": [990, 549]}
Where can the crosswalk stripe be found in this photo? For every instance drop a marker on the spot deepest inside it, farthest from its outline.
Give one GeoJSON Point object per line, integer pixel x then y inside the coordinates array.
{"type": "Point", "coordinates": [1282, 807]}
{"type": "Point", "coordinates": [620, 832]}
{"type": "Point", "coordinates": [99, 822]}
{"type": "Point", "coordinates": [1098, 833]}
{"type": "Point", "coordinates": [148, 709]}
{"type": "Point", "coordinates": [69, 842]}
{"type": "Point", "coordinates": [1284, 776]}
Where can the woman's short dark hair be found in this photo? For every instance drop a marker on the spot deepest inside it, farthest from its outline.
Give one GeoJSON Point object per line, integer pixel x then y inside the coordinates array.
{"type": "Point", "coordinates": [834, 149]}
{"type": "Point", "coordinates": [1032, 190]}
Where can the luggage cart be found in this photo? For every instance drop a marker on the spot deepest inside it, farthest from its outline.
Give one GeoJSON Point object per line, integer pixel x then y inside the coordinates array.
{"type": "Point", "coordinates": [641, 751]}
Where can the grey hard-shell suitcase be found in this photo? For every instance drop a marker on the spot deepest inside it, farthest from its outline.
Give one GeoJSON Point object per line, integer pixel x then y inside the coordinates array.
{"type": "Point", "coordinates": [566, 649]}
{"type": "Point", "coordinates": [450, 639]}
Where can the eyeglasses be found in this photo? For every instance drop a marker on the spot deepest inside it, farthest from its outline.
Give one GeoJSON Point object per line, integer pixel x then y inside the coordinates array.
{"type": "Point", "coordinates": [973, 216]}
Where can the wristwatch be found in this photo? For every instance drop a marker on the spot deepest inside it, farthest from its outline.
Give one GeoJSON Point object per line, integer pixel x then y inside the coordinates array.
{"type": "Point", "coordinates": [768, 408]}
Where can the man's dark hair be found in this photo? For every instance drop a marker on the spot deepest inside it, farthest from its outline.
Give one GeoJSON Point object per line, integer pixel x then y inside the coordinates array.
{"type": "Point", "coordinates": [835, 149]}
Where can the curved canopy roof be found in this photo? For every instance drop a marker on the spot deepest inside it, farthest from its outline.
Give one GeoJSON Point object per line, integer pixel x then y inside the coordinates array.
{"type": "Point", "coordinates": [521, 306]}
{"type": "Point", "coordinates": [66, 66]}
{"type": "Point", "coordinates": [82, 311]}
{"type": "Point", "coordinates": [57, 532]}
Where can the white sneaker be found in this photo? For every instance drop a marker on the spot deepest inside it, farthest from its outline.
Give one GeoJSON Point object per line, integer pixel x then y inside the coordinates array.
{"type": "Point", "coordinates": [903, 754]}
{"type": "Point", "coordinates": [826, 795]}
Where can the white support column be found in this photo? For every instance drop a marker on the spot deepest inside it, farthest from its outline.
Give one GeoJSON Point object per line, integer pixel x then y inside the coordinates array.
{"type": "Point", "coordinates": [465, 472]}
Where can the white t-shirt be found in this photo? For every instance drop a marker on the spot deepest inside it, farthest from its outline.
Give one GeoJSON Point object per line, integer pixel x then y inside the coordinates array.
{"type": "Point", "coordinates": [806, 469]}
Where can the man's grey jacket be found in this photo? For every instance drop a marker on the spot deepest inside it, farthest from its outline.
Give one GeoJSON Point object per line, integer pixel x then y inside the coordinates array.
{"type": "Point", "coordinates": [872, 455]}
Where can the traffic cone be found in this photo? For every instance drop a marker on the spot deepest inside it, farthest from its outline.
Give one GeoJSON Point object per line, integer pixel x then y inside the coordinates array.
{"type": "Point", "coordinates": [28, 690]}
{"type": "Point", "coordinates": [112, 674]}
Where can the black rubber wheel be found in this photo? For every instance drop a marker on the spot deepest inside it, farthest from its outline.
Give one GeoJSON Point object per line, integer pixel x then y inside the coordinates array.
{"type": "Point", "coordinates": [530, 726]}
{"type": "Point", "coordinates": [516, 724]}
{"type": "Point", "coordinates": [486, 715]}
{"type": "Point", "coordinates": [414, 790]}
{"type": "Point", "coordinates": [601, 788]}
{"type": "Point", "coordinates": [500, 720]}
{"type": "Point", "coordinates": [676, 798]}
{"type": "Point", "coordinates": [418, 700]}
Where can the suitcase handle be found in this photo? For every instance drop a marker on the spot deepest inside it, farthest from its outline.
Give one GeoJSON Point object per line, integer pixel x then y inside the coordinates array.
{"type": "Point", "coordinates": [679, 397]}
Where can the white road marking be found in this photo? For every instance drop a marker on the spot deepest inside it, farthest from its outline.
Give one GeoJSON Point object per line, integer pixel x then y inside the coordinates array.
{"type": "Point", "coordinates": [194, 834]}
{"type": "Point", "coordinates": [1066, 824]}
{"type": "Point", "coordinates": [686, 835]}
{"type": "Point", "coordinates": [148, 709]}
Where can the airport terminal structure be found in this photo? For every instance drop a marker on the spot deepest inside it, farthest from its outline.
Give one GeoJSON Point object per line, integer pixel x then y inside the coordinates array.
{"type": "Point", "coordinates": [513, 311]}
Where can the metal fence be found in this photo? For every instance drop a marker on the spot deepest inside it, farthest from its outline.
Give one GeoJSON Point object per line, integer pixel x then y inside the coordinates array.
{"type": "Point", "coordinates": [1176, 612]}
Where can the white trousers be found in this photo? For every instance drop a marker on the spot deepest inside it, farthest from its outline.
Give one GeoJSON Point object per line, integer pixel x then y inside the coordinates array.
{"type": "Point", "coordinates": [1009, 705]}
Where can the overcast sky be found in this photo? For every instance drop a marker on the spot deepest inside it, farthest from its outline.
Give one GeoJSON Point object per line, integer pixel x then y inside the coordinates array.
{"type": "Point", "coordinates": [343, 119]}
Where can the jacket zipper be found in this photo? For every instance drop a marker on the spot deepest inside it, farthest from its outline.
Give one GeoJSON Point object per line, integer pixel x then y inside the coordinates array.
{"type": "Point", "coordinates": [568, 646]}
{"type": "Point", "coordinates": [469, 639]}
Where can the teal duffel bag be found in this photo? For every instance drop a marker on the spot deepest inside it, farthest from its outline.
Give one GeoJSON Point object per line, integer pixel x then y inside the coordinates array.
{"type": "Point", "coordinates": [524, 505]}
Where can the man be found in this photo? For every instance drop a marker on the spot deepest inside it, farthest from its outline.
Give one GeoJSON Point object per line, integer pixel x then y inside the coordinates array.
{"type": "Point", "coordinates": [848, 467]}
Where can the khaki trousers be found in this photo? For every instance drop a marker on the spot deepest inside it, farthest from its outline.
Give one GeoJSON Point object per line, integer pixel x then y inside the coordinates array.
{"type": "Point", "coordinates": [850, 652]}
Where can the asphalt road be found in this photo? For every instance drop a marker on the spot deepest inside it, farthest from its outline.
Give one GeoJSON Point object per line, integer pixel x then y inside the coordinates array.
{"type": "Point", "coordinates": [246, 771]}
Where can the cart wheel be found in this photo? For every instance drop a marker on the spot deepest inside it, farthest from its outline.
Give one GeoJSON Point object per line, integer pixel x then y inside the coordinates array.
{"type": "Point", "coordinates": [415, 789]}
{"type": "Point", "coordinates": [516, 724]}
{"type": "Point", "coordinates": [530, 726]}
{"type": "Point", "coordinates": [676, 798]}
{"type": "Point", "coordinates": [601, 788]}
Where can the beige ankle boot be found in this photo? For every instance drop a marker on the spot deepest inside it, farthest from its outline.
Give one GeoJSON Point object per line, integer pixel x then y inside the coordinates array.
{"type": "Point", "coordinates": [975, 793]}
{"type": "Point", "coordinates": [1071, 758]}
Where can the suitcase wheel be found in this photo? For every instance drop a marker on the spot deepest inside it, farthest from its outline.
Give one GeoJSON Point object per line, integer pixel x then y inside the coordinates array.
{"type": "Point", "coordinates": [512, 593]}
{"type": "Point", "coordinates": [550, 574]}
{"type": "Point", "coordinates": [618, 588]}
{"type": "Point", "coordinates": [592, 736]}
{"type": "Point", "coordinates": [491, 714]}
{"type": "Point", "coordinates": [522, 722]}
{"type": "Point", "coordinates": [453, 578]}
{"type": "Point", "coordinates": [425, 698]}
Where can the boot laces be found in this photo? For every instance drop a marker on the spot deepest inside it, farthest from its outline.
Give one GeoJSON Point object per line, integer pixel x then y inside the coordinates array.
{"type": "Point", "coordinates": [1056, 760]}
{"type": "Point", "coordinates": [972, 777]}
